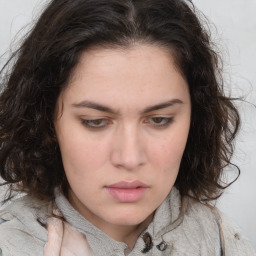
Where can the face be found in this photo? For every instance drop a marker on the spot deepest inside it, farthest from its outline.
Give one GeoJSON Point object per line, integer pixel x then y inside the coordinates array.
{"type": "Point", "coordinates": [122, 128]}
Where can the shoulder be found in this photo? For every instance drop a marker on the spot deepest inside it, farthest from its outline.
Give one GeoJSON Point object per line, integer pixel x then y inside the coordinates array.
{"type": "Point", "coordinates": [193, 229]}
{"type": "Point", "coordinates": [205, 229]}
{"type": "Point", "coordinates": [230, 237]}
{"type": "Point", "coordinates": [20, 231]}
{"type": "Point", "coordinates": [234, 242]}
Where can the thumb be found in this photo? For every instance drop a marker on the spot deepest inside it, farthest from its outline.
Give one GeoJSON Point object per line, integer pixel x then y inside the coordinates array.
{"type": "Point", "coordinates": [55, 236]}
{"type": "Point", "coordinates": [74, 242]}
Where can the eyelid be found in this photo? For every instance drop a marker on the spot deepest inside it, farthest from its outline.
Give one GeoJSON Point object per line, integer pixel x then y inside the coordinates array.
{"type": "Point", "coordinates": [166, 123]}
{"type": "Point", "coordinates": [89, 123]}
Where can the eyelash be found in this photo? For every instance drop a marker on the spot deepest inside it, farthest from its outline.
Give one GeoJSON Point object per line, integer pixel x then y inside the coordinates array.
{"type": "Point", "coordinates": [164, 122]}
{"type": "Point", "coordinates": [89, 123]}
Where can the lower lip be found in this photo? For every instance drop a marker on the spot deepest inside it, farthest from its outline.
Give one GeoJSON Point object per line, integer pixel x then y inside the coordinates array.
{"type": "Point", "coordinates": [126, 195]}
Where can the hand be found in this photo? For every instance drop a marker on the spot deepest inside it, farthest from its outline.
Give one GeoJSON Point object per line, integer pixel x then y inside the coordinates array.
{"type": "Point", "coordinates": [64, 240]}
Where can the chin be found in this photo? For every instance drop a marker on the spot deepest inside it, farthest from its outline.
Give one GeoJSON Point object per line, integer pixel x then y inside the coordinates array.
{"type": "Point", "coordinates": [130, 218]}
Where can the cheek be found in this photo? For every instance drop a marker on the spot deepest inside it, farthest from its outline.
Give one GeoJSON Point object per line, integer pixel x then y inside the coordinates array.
{"type": "Point", "coordinates": [82, 162]}
{"type": "Point", "coordinates": [169, 152]}
{"type": "Point", "coordinates": [79, 152]}
{"type": "Point", "coordinates": [82, 154]}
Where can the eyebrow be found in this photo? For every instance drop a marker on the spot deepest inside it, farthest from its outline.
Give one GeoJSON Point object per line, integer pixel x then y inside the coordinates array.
{"type": "Point", "coordinates": [103, 108]}
{"type": "Point", "coordinates": [162, 105]}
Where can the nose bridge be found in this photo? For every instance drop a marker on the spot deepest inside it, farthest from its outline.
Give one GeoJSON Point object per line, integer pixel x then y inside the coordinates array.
{"type": "Point", "coordinates": [128, 151]}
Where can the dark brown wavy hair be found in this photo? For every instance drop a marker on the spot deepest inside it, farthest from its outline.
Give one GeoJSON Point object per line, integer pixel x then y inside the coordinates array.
{"type": "Point", "coordinates": [30, 159]}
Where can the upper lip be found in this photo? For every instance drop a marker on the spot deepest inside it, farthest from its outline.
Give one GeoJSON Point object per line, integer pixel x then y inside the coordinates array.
{"type": "Point", "coordinates": [128, 185]}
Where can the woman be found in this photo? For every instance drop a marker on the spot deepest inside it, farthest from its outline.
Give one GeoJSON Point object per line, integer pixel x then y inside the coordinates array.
{"type": "Point", "coordinates": [115, 124]}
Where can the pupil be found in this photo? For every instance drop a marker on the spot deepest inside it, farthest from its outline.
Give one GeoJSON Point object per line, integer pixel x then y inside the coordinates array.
{"type": "Point", "coordinates": [97, 122]}
{"type": "Point", "coordinates": [158, 120]}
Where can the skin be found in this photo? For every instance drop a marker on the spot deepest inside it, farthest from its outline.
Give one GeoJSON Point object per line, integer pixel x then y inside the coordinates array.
{"type": "Point", "coordinates": [129, 139]}
{"type": "Point", "coordinates": [64, 240]}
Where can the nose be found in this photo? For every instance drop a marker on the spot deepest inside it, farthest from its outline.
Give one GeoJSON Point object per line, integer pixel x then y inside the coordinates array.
{"type": "Point", "coordinates": [128, 150]}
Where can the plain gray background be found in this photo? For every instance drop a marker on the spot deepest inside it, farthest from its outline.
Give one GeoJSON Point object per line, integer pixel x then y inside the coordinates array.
{"type": "Point", "coordinates": [235, 34]}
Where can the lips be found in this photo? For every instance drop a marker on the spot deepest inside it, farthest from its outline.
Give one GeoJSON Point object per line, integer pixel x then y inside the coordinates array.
{"type": "Point", "coordinates": [127, 192]}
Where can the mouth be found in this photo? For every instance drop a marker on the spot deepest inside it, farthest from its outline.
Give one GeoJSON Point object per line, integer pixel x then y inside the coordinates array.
{"type": "Point", "coordinates": [127, 192]}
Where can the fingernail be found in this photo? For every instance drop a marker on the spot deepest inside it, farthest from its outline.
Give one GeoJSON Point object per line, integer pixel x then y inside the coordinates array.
{"type": "Point", "coordinates": [42, 222]}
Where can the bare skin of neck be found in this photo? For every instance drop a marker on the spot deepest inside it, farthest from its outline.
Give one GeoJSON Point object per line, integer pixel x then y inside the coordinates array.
{"type": "Point", "coordinates": [126, 234]}
{"type": "Point", "coordinates": [129, 235]}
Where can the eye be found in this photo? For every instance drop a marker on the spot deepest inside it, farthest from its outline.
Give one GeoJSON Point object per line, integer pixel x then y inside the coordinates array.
{"type": "Point", "coordinates": [95, 123]}
{"type": "Point", "coordinates": [160, 121]}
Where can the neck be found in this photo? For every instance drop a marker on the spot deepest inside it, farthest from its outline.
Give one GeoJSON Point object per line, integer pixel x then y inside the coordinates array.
{"type": "Point", "coordinates": [127, 234]}
{"type": "Point", "coordinates": [122, 233]}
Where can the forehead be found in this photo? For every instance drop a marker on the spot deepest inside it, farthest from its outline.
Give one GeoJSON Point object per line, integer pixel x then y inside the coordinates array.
{"type": "Point", "coordinates": [138, 72]}
{"type": "Point", "coordinates": [139, 56]}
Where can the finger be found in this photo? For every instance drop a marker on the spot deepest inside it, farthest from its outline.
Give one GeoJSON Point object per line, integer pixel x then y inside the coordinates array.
{"type": "Point", "coordinates": [74, 243]}
{"type": "Point", "coordinates": [55, 235]}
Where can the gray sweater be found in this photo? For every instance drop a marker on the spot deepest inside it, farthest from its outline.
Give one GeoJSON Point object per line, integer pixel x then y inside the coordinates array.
{"type": "Point", "coordinates": [186, 228]}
